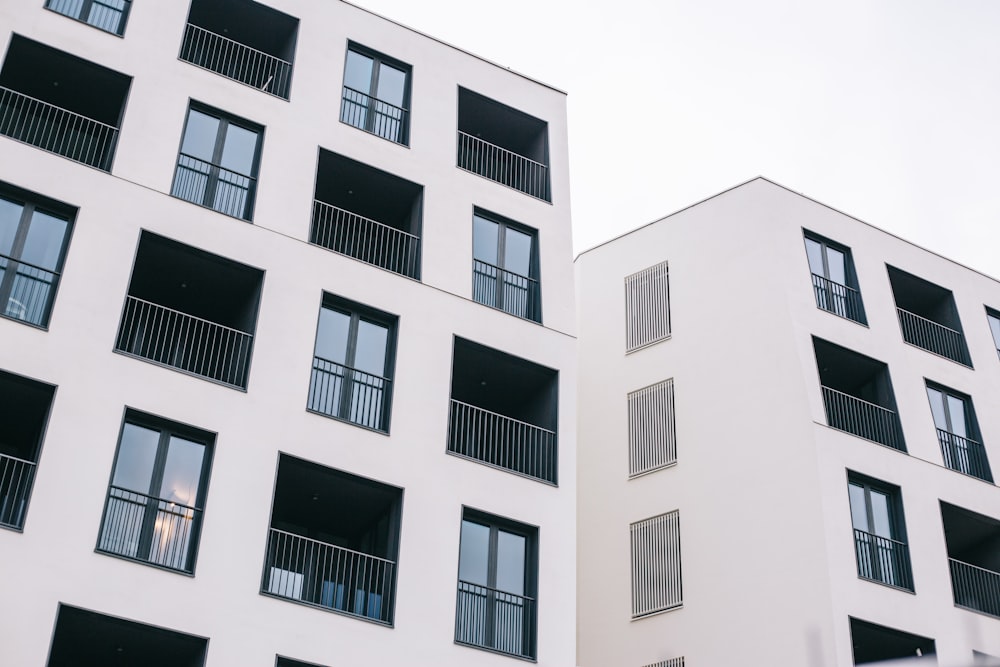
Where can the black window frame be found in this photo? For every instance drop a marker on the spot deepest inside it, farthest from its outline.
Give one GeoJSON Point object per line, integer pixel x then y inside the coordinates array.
{"type": "Point", "coordinates": [213, 178]}
{"type": "Point", "coordinates": [533, 309]}
{"type": "Point", "coordinates": [166, 428]}
{"type": "Point", "coordinates": [31, 202]}
{"type": "Point", "coordinates": [962, 453]}
{"type": "Point", "coordinates": [823, 290]}
{"type": "Point", "coordinates": [902, 580]}
{"type": "Point", "coordinates": [994, 314]}
{"type": "Point", "coordinates": [85, 7]}
{"type": "Point", "coordinates": [378, 59]}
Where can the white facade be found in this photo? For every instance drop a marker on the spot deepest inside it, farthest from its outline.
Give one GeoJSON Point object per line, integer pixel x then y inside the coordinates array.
{"type": "Point", "coordinates": [768, 567]}
{"type": "Point", "coordinates": [53, 560]}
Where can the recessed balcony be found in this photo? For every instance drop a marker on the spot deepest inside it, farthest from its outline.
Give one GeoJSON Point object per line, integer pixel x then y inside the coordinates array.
{"type": "Point", "coordinates": [928, 317]}
{"type": "Point", "coordinates": [973, 542]}
{"type": "Point", "coordinates": [26, 409]}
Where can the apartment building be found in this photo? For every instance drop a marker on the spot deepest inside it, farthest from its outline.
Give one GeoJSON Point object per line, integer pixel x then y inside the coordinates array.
{"type": "Point", "coordinates": [287, 354]}
{"type": "Point", "coordinates": [787, 442]}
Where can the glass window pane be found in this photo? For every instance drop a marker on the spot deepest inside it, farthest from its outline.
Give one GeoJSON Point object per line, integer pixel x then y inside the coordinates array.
{"type": "Point", "coordinates": [837, 264]}
{"type": "Point", "coordinates": [517, 252]}
{"type": "Point", "coordinates": [859, 512]}
{"type": "Point", "coordinates": [136, 455]}
{"type": "Point", "coordinates": [510, 562]}
{"type": "Point", "coordinates": [44, 242]}
{"type": "Point", "coordinates": [331, 340]}
{"type": "Point", "coordinates": [239, 149]}
{"type": "Point", "coordinates": [358, 72]}
{"type": "Point", "coordinates": [474, 554]}
{"type": "Point", "coordinates": [484, 240]}
{"type": "Point", "coordinates": [10, 217]}
{"type": "Point", "coordinates": [814, 251]}
{"type": "Point", "coordinates": [937, 408]}
{"type": "Point", "coordinates": [391, 85]}
{"type": "Point", "coordinates": [882, 523]}
{"type": "Point", "coordinates": [369, 355]}
{"type": "Point", "coordinates": [182, 473]}
{"type": "Point", "coordinates": [200, 135]}
{"type": "Point", "coordinates": [956, 410]}
{"type": "Point", "coordinates": [995, 328]}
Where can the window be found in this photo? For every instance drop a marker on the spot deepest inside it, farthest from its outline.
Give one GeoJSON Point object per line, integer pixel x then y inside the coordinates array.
{"type": "Point", "coordinates": [157, 493]}
{"type": "Point", "coordinates": [497, 572]}
{"type": "Point", "coordinates": [352, 364]}
{"type": "Point", "coordinates": [26, 404]}
{"type": "Point", "coordinates": [647, 307]}
{"type": "Point", "coordinates": [652, 438]}
{"type": "Point", "coordinates": [376, 94]}
{"type": "Point", "coordinates": [834, 281]}
{"type": "Point", "coordinates": [107, 15]}
{"type": "Point", "coordinates": [878, 644]}
{"type": "Point", "coordinates": [505, 266]}
{"type": "Point", "coordinates": [993, 317]}
{"type": "Point", "coordinates": [656, 564]}
{"type": "Point", "coordinates": [218, 162]}
{"type": "Point", "coordinates": [879, 532]}
{"type": "Point", "coordinates": [928, 316]}
{"type": "Point", "coordinates": [34, 238]}
{"type": "Point", "coordinates": [958, 432]}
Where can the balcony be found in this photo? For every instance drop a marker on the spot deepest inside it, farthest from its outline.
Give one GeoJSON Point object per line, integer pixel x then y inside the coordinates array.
{"type": "Point", "coordinates": [106, 15]}
{"type": "Point", "coordinates": [973, 542]}
{"type": "Point", "coordinates": [374, 115]}
{"type": "Point", "coordinates": [883, 560]}
{"type": "Point", "coordinates": [964, 455]}
{"type": "Point", "coordinates": [508, 291]}
{"type": "Point", "coordinates": [975, 588]}
{"type": "Point", "coordinates": [174, 528]}
{"type": "Point", "coordinates": [243, 41]}
{"type": "Point", "coordinates": [367, 214]}
{"type": "Point", "coordinates": [504, 412]}
{"type": "Point", "coordinates": [838, 299]}
{"type": "Point", "coordinates": [503, 145]}
{"type": "Point", "coordinates": [494, 619]}
{"type": "Point", "coordinates": [26, 409]}
{"type": "Point", "coordinates": [60, 103]}
{"type": "Point", "coordinates": [863, 419]}
{"type": "Point", "coordinates": [190, 311]}
{"type": "Point", "coordinates": [928, 317]}
{"type": "Point", "coordinates": [873, 643]}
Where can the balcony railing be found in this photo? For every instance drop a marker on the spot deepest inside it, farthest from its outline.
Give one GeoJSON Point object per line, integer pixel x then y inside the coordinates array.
{"type": "Point", "coordinates": [324, 575]}
{"type": "Point", "coordinates": [964, 455]}
{"type": "Point", "coordinates": [496, 620]}
{"type": "Point", "coordinates": [865, 420]}
{"type": "Point", "coordinates": [975, 587]}
{"type": "Point", "coordinates": [366, 240]}
{"type": "Point", "coordinates": [346, 393]}
{"type": "Point", "coordinates": [108, 15]}
{"type": "Point", "coordinates": [502, 442]}
{"type": "Point", "coordinates": [933, 337]}
{"type": "Point", "coordinates": [508, 291]}
{"type": "Point", "coordinates": [236, 61]}
{"type": "Point", "coordinates": [56, 130]}
{"type": "Point", "coordinates": [187, 343]}
{"type": "Point", "coordinates": [212, 185]}
{"type": "Point", "coordinates": [149, 529]}
{"type": "Point", "coordinates": [374, 115]}
{"type": "Point", "coordinates": [16, 477]}
{"type": "Point", "coordinates": [503, 166]}
{"type": "Point", "coordinates": [838, 299]}
{"type": "Point", "coordinates": [883, 559]}
{"type": "Point", "coordinates": [31, 293]}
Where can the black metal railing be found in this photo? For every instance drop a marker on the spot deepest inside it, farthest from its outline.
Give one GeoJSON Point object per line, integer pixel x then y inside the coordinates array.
{"type": "Point", "coordinates": [975, 587]}
{"type": "Point", "coordinates": [56, 130]}
{"type": "Point", "coordinates": [839, 299]}
{"type": "Point", "coordinates": [346, 393]}
{"type": "Point", "coordinates": [150, 529]}
{"type": "Point", "coordinates": [964, 455]}
{"type": "Point", "coordinates": [933, 337]}
{"type": "Point", "coordinates": [503, 166]}
{"type": "Point", "coordinates": [374, 115]}
{"type": "Point", "coordinates": [865, 420]}
{"type": "Point", "coordinates": [883, 559]}
{"type": "Point", "coordinates": [236, 61]}
{"type": "Point", "coordinates": [365, 239]}
{"type": "Point", "coordinates": [505, 290]}
{"type": "Point", "coordinates": [191, 344]}
{"type": "Point", "coordinates": [503, 442]}
{"type": "Point", "coordinates": [494, 619]}
{"type": "Point", "coordinates": [108, 15]}
{"type": "Point", "coordinates": [16, 477]}
{"type": "Point", "coordinates": [325, 575]}
{"type": "Point", "coordinates": [31, 292]}
{"type": "Point", "coordinates": [213, 186]}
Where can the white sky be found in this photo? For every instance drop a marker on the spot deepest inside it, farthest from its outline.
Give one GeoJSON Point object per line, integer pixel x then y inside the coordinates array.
{"type": "Point", "coordinates": [888, 110]}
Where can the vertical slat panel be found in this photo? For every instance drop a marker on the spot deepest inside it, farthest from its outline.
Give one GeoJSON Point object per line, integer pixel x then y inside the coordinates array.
{"type": "Point", "coordinates": [672, 662]}
{"type": "Point", "coordinates": [656, 564]}
{"type": "Point", "coordinates": [651, 428]}
{"type": "Point", "coordinates": [647, 307]}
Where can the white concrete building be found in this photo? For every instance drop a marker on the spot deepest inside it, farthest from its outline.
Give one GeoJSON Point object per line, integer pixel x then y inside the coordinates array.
{"type": "Point", "coordinates": [787, 427]}
{"type": "Point", "coordinates": [287, 342]}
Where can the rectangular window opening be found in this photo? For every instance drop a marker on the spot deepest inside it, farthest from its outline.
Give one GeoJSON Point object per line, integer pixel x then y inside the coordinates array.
{"type": "Point", "coordinates": [505, 266]}
{"type": "Point", "coordinates": [652, 434]}
{"type": "Point", "coordinates": [376, 95]}
{"type": "Point", "coordinates": [656, 564]}
{"type": "Point", "coordinates": [647, 307]}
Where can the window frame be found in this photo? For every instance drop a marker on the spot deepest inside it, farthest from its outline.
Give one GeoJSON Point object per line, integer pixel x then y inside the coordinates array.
{"type": "Point", "coordinates": [213, 177]}
{"type": "Point", "coordinates": [994, 314]}
{"type": "Point", "coordinates": [850, 275]}
{"type": "Point", "coordinates": [378, 59]}
{"type": "Point", "coordinates": [534, 310]}
{"type": "Point", "coordinates": [897, 529]}
{"type": "Point", "coordinates": [86, 5]}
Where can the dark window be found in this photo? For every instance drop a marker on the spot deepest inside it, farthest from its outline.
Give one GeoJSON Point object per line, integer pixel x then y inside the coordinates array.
{"type": "Point", "coordinates": [958, 432]}
{"type": "Point", "coordinates": [505, 266]}
{"type": "Point", "coordinates": [288, 662]}
{"type": "Point", "coordinates": [877, 643]}
{"type": "Point", "coordinates": [497, 581]}
{"type": "Point", "coordinates": [928, 316]}
{"type": "Point", "coordinates": [973, 542]}
{"type": "Point", "coordinates": [108, 15]}
{"type": "Point", "coordinates": [218, 162]}
{"type": "Point", "coordinates": [993, 318]}
{"type": "Point", "coordinates": [352, 364]}
{"type": "Point", "coordinates": [835, 283]}
{"type": "Point", "coordinates": [879, 532]}
{"type": "Point", "coordinates": [26, 405]}
{"type": "Point", "coordinates": [376, 94]}
{"type": "Point", "coordinates": [34, 238]}
{"type": "Point", "coordinates": [157, 493]}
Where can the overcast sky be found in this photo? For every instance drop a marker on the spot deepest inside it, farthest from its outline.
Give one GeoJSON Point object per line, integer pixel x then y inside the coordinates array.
{"type": "Point", "coordinates": [888, 110]}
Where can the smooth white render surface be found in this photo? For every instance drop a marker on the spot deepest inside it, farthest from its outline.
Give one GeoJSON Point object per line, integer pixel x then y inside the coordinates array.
{"type": "Point", "coordinates": [768, 565]}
